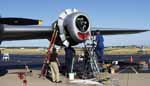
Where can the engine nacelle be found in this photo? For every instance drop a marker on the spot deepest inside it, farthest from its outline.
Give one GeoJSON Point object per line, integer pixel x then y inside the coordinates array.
{"type": "Point", "coordinates": [76, 26]}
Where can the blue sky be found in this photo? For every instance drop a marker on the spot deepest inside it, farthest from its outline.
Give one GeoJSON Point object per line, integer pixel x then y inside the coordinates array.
{"type": "Point", "coordinates": [102, 13]}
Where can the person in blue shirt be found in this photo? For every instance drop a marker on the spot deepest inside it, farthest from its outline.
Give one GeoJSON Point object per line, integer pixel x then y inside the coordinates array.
{"type": "Point", "coordinates": [100, 46]}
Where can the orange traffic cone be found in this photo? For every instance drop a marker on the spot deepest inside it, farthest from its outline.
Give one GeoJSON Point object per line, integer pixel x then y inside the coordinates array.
{"type": "Point", "coordinates": [131, 59]}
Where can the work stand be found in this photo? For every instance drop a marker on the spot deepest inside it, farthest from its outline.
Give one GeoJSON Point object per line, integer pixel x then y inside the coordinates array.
{"type": "Point", "coordinates": [91, 68]}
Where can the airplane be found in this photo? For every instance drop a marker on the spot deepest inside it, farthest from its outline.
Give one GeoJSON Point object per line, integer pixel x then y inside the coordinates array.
{"type": "Point", "coordinates": [74, 28]}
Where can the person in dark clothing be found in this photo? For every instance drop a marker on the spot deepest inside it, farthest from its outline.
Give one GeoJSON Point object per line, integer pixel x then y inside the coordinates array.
{"type": "Point", "coordinates": [100, 47]}
{"type": "Point", "coordinates": [54, 63]}
{"type": "Point", "coordinates": [86, 61]}
{"type": "Point", "coordinates": [69, 54]}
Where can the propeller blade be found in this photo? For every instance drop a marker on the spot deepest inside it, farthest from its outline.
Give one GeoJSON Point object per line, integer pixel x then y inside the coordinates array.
{"type": "Point", "coordinates": [19, 21]}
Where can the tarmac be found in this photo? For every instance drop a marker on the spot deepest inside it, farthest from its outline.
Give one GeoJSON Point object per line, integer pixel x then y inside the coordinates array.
{"type": "Point", "coordinates": [132, 79]}
{"type": "Point", "coordinates": [12, 79]}
{"type": "Point", "coordinates": [17, 63]}
{"type": "Point", "coordinates": [118, 79]}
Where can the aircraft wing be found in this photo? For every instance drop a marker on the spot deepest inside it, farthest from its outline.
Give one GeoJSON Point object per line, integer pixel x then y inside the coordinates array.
{"type": "Point", "coordinates": [15, 32]}
{"type": "Point", "coordinates": [115, 31]}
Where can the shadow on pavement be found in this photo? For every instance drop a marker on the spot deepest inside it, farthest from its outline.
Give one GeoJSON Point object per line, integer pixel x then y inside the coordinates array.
{"type": "Point", "coordinates": [3, 71]}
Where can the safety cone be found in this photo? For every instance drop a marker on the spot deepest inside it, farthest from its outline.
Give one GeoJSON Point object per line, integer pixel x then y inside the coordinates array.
{"type": "Point", "coordinates": [131, 59]}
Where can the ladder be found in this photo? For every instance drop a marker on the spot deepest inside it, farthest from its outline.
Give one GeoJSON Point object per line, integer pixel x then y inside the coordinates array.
{"type": "Point", "coordinates": [47, 56]}
{"type": "Point", "coordinates": [93, 62]}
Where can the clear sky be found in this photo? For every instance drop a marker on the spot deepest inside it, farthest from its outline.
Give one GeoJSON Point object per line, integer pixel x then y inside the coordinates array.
{"type": "Point", "coordinates": [102, 13]}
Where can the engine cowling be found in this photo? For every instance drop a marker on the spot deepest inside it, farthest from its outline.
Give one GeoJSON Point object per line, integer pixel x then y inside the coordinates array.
{"type": "Point", "coordinates": [76, 26]}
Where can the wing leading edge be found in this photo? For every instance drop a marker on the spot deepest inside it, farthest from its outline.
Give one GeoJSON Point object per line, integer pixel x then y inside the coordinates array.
{"type": "Point", "coordinates": [116, 31]}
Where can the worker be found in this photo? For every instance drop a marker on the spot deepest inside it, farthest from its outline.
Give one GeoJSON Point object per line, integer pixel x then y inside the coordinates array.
{"type": "Point", "coordinates": [69, 54]}
{"type": "Point", "coordinates": [54, 63]}
{"type": "Point", "coordinates": [86, 60]}
{"type": "Point", "coordinates": [100, 46]}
